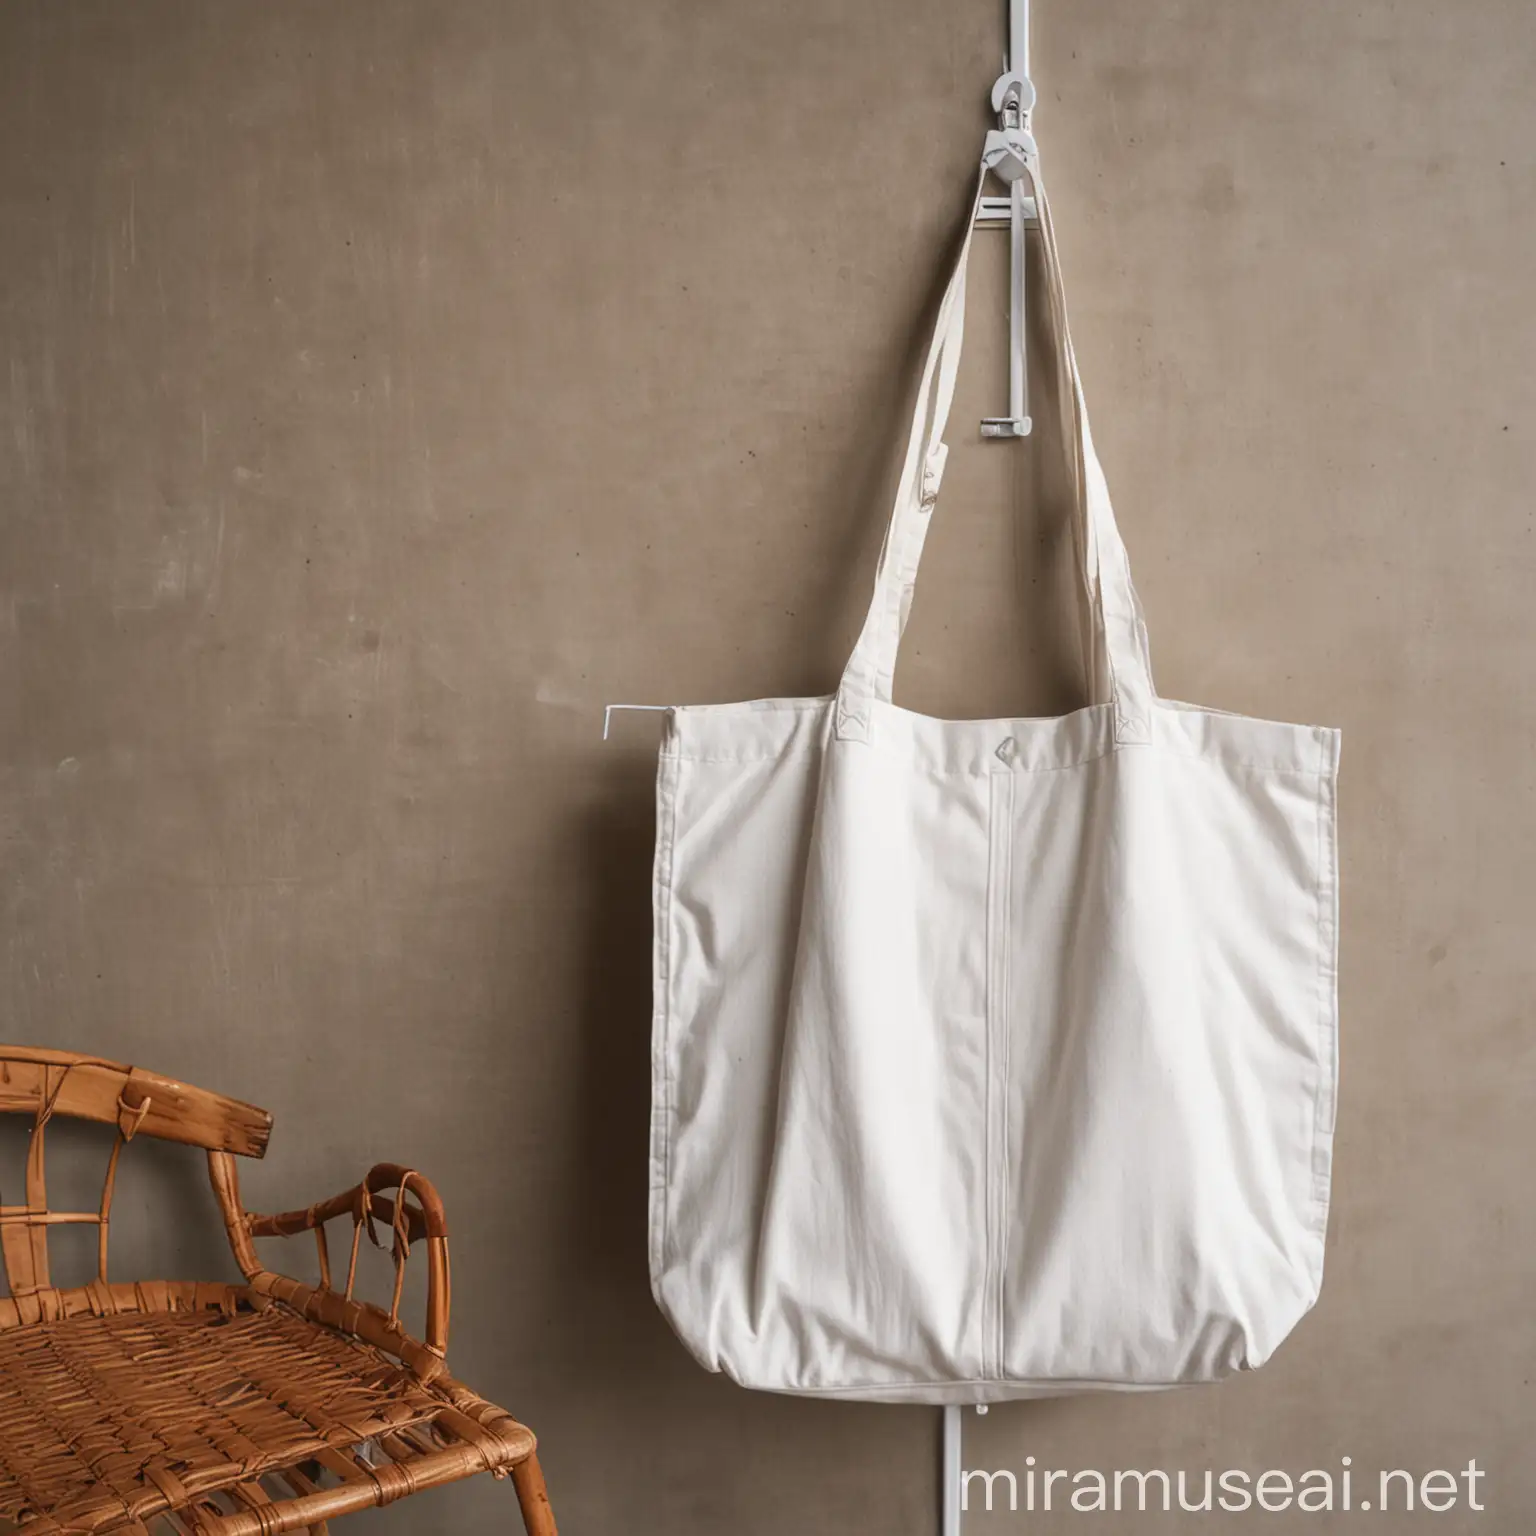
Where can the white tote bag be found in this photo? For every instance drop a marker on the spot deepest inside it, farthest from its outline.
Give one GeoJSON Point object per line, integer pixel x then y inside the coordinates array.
{"type": "Point", "coordinates": [991, 1058]}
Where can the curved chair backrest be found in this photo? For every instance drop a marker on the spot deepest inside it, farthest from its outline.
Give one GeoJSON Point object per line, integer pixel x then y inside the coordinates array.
{"type": "Point", "coordinates": [45, 1083]}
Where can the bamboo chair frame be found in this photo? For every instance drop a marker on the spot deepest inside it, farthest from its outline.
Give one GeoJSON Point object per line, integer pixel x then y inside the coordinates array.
{"type": "Point", "coordinates": [219, 1409]}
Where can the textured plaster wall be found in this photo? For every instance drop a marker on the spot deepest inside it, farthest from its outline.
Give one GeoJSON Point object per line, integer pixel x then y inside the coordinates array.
{"type": "Point", "coordinates": [385, 387]}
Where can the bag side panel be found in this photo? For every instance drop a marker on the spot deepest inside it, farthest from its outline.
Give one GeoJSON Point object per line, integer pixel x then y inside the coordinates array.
{"type": "Point", "coordinates": [1175, 1041]}
{"type": "Point", "coordinates": [733, 838]}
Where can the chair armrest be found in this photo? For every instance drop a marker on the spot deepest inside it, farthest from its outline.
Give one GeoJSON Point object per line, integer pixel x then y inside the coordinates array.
{"type": "Point", "coordinates": [414, 1214]}
{"type": "Point", "coordinates": [425, 1219]}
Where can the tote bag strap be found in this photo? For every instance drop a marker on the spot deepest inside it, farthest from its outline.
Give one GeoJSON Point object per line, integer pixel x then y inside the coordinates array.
{"type": "Point", "coordinates": [1119, 664]}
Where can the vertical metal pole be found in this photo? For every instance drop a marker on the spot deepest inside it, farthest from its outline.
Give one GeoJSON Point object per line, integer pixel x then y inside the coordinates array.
{"type": "Point", "coordinates": [1018, 369]}
{"type": "Point", "coordinates": [1018, 376]}
{"type": "Point", "coordinates": [1018, 36]}
{"type": "Point", "coordinates": [1009, 151]}
{"type": "Point", "coordinates": [952, 1468]}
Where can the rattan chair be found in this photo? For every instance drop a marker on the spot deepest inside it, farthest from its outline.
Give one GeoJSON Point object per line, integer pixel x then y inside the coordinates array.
{"type": "Point", "coordinates": [222, 1409]}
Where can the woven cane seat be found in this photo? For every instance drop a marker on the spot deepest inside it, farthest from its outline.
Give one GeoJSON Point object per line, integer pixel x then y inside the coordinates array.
{"type": "Point", "coordinates": [173, 1408]}
{"type": "Point", "coordinates": [108, 1421]}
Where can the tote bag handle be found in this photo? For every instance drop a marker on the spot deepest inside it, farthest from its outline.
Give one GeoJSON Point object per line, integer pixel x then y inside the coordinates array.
{"type": "Point", "coordinates": [1119, 663]}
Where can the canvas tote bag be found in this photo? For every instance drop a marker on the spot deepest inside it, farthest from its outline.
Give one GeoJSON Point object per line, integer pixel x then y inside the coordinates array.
{"type": "Point", "coordinates": [991, 1058]}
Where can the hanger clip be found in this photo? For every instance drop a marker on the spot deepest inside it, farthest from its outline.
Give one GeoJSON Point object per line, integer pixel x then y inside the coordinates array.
{"type": "Point", "coordinates": [1010, 149]}
{"type": "Point", "coordinates": [1010, 154]}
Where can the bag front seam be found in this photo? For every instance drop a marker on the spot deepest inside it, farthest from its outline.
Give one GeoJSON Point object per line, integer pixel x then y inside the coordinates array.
{"type": "Point", "coordinates": [1005, 1053]}
{"type": "Point", "coordinates": [989, 1173]}
{"type": "Point", "coordinates": [999, 842]}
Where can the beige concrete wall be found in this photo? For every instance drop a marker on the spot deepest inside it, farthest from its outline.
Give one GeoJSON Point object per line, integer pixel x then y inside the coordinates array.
{"type": "Point", "coordinates": [388, 386]}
